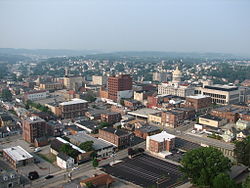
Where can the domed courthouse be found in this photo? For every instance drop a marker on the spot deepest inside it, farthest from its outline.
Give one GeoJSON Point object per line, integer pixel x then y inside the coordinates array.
{"type": "Point", "coordinates": [176, 87]}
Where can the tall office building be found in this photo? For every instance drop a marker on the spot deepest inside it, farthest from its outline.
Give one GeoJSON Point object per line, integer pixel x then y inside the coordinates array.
{"type": "Point", "coordinates": [119, 87]}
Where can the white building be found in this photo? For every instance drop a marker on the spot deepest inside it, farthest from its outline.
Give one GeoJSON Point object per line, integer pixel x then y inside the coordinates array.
{"type": "Point", "coordinates": [220, 94]}
{"type": "Point", "coordinates": [36, 95]}
{"type": "Point", "coordinates": [101, 147]}
{"type": "Point", "coordinates": [64, 161]}
{"type": "Point", "coordinates": [175, 87]}
{"type": "Point", "coordinates": [17, 156]}
{"type": "Point", "coordinates": [99, 80]}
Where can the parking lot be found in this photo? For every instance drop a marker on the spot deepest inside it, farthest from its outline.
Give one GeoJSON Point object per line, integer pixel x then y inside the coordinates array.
{"type": "Point", "coordinates": [43, 167]}
{"type": "Point", "coordinates": [147, 171]}
{"type": "Point", "coordinates": [185, 145]}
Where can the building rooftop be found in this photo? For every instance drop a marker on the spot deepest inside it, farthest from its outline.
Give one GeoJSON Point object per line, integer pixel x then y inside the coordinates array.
{"type": "Point", "coordinates": [73, 101]}
{"type": "Point", "coordinates": [17, 153]}
{"type": "Point", "coordinates": [97, 145]}
{"type": "Point", "coordinates": [208, 116]}
{"type": "Point", "coordinates": [148, 128]}
{"type": "Point", "coordinates": [63, 156]}
{"type": "Point", "coordinates": [117, 132]}
{"type": "Point", "coordinates": [144, 112]}
{"type": "Point", "coordinates": [198, 96]}
{"type": "Point", "coordinates": [34, 119]}
{"type": "Point", "coordinates": [222, 87]}
{"type": "Point", "coordinates": [162, 136]}
{"type": "Point", "coordinates": [72, 145]}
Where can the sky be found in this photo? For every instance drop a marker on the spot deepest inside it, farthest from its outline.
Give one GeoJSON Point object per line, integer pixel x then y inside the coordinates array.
{"type": "Point", "coordinates": [127, 25]}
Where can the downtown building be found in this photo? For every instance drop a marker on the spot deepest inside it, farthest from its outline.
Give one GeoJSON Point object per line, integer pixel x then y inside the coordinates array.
{"type": "Point", "coordinates": [34, 128]}
{"type": "Point", "coordinates": [118, 87]}
{"type": "Point", "coordinates": [176, 87]}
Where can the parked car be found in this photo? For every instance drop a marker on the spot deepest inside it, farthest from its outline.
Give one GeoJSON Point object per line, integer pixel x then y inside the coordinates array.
{"type": "Point", "coordinates": [36, 160]}
{"type": "Point", "coordinates": [37, 150]}
{"type": "Point", "coordinates": [49, 176]}
{"type": "Point", "coordinates": [33, 175]}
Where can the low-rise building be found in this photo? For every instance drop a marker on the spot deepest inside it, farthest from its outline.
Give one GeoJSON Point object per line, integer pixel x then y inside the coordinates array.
{"type": "Point", "coordinates": [155, 119]}
{"type": "Point", "coordinates": [17, 156]}
{"type": "Point", "coordinates": [199, 102]}
{"type": "Point", "coordinates": [147, 130]}
{"type": "Point", "coordinates": [242, 124]}
{"type": "Point", "coordinates": [172, 118]}
{"type": "Point", "coordinates": [102, 148]}
{"type": "Point", "coordinates": [221, 94]}
{"type": "Point", "coordinates": [98, 181]}
{"type": "Point", "coordinates": [160, 144]}
{"type": "Point", "coordinates": [111, 117]}
{"type": "Point", "coordinates": [50, 86]}
{"type": "Point", "coordinates": [229, 112]}
{"type": "Point", "coordinates": [64, 161]}
{"type": "Point", "coordinates": [212, 121]}
{"type": "Point", "coordinates": [10, 179]}
{"type": "Point", "coordinates": [55, 128]}
{"type": "Point", "coordinates": [74, 108]}
{"type": "Point", "coordinates": [6, 120]}
{"type": "Point", "coordinates": [117, 137]}
{"type": "Point", "coordinates": [35, 95]}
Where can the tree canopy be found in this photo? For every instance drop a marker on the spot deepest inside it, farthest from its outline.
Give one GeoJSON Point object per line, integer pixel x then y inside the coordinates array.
{"type": "Point", "coordinates": [67, 149]}
{"type": "Point", "coordinates": [242, 151]}
{"type": "Point", "coordinates": [223, 181]}
{"type": "Point", "coordinates": [95, 163]}
{"type": "Point", "coordinates": [87, 146]}
{"type": "Point", "coordinates": [203, 164]}
{"type": "Point", "coordinates": [6, 95]}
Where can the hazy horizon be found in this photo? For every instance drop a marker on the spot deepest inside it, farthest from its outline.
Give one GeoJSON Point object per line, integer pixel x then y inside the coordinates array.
{"type": "Point", "coordinates": [133, 25]}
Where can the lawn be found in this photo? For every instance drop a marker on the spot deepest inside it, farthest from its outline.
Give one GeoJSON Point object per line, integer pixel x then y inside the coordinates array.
{"type": "Point", "coordinates": [48, 157]}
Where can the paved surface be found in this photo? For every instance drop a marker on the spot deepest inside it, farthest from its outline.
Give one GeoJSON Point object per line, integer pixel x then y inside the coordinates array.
{"type": "Point", "coordinates": [146, 171]}
{"type": "Point", "coordinates": [59, 176]}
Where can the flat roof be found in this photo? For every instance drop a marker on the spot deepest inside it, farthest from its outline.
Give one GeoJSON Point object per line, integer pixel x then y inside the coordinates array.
{"type": "Point", "coordinates": [222, 87]}
{"type": "Point", "coordinates": [162, 136]}
{"type": "Point", "coordinates": [144, 112]}
{"type": "Point", "coordinates": [198, 96]}
{"type": "Point", "coordinates": [97, 145]}
{"type": "Point", "coordinates": [73, 101]}
{"type": "Point", "coordinates": [17, 153]}
{"type": "Point", "coordinates": [72, 145]}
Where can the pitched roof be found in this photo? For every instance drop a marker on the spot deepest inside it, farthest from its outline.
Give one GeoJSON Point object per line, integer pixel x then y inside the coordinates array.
{"type": "Point", "coordinates": [102, 179]}
{"type": "Point", "coordinates": [63, 156]}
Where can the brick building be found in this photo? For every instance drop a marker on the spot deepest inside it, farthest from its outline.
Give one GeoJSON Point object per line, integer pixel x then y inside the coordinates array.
{"type": "Point", "coordinates": [17, 156]}
{"type": "Point", "coordinates": [172, 118]}
{"type": "Point", "coordinates": [34, 127]}
{"type": "Point", "coordinates": [119, 87]}
{"type": "Point", "coordinates": [117, 137]}
{"type": "Point", "coordinates": [111, 117]}
{"type": "Point", "coordinates": [74, 108]}
{"type": "Point", "coordinates": [231, 113]}
{"type": "Point", "coordinates": [160, 144]}
{"type": "Point", "coordinates": [199, 103]}
{"type": "Point", "coordinates": [146, 130]}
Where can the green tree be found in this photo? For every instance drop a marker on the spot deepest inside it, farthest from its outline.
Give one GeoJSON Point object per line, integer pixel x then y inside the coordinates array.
{"type": "Point", "coordinates": [201, 165]}
{"type": "Point", "coordinates": [89, 184]}
{"type": "Point", "coordinates": [87, 146]}
{"type": "Point", "coordinates": [6, 95]}
{"type": "Point", "coordinates": [223, 181]}
{"type": "Point", "coordinates": [119, 67]}
{"type": "Point", "coordinates": [242, 151]}
{"type": "Point", "coordinates": [67, 149]}
{"type": "Point", "coordinates": [104, 124]}
{"type": "Point", "coordinates": [95, 163]}
{"type": "Point", "coordinates": [246, 183]}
